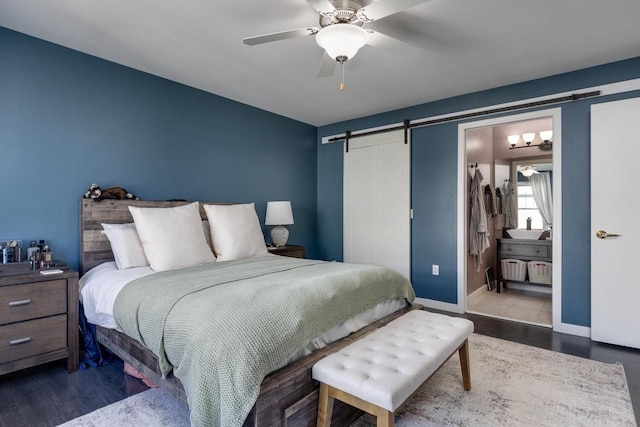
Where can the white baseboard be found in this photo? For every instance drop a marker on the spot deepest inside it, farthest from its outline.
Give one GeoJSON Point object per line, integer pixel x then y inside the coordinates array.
{"type": "Point", "coordinates": [565, 328]}
{"type": "Point", "coordinates": [568, 328]}
{"type": "Point", "coordinates": [530, 288]}
{"type": "Point", "coordinates": [438, 305]}
{"type": "Point", "coordinates": [480, 289]}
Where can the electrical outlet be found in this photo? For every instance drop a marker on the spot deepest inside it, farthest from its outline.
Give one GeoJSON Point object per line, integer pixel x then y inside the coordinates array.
{"type": "Point", "coordinates": [435, 270]}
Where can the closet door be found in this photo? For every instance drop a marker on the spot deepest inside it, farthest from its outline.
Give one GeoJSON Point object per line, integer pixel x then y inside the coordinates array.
{"type": "Point", "coordinates": [377, 201]}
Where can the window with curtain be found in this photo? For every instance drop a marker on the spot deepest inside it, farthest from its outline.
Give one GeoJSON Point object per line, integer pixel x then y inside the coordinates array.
{"type": "Point", "coordinates": [527, 208]}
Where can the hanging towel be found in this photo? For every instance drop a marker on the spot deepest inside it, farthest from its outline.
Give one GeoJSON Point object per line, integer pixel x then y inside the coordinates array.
{"type": "Point", "coordinates": [499, 201]}
{"type": "Point", "coordinates": [511, 205]}
{"type": "Point", "coordinates": [478, 231]}
{"type": "Point", "coordinates": [503, 203]}
{"type": "Point", "coordinates": [490, 200]}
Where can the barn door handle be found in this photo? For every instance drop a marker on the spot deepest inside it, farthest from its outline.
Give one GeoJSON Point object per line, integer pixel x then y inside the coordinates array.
{"type": "Point", "coordinates": [601, 234]}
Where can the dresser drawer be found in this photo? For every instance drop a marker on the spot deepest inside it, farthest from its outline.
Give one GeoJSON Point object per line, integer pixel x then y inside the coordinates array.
{"type": "Point", "coordinates": [511, 250]}
{"type": "Point", "coordinates": [33, 337]}
{"type": "Point", "coordinates": [32, 300]}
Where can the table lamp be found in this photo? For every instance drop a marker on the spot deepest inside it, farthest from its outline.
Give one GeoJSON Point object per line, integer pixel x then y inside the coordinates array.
{"type": "Point", "coordinates": [279, 214]}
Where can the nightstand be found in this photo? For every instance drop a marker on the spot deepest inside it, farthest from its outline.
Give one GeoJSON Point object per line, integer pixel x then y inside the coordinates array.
{"type": "Point", "coordinates": [38, 319]}
{"type": "Point", "coordinates": [293, 251]}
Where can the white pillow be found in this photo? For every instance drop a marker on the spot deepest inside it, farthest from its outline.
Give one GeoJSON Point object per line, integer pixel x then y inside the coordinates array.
{"type": "Point", "coordinates": [125, 245]}
{"type": "Point", "coordinates": [172, 238]}
{"type": "Point", "coordinates": [235, 231]}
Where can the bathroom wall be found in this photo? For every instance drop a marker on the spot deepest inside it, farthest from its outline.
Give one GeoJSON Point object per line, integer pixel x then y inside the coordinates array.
{"type": "Point", "coordinates": [479, 143]}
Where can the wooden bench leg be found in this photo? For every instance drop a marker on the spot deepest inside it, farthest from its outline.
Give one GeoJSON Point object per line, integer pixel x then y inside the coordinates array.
{"type": "Point", "coordinates": [384, 418]}
{"type": "Point", "coordinates": [325, 407]}
{"type": "Point", "coordinates": [463, 351]}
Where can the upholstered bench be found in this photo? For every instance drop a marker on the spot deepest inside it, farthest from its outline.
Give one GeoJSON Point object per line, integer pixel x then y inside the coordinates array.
{"type": "Point", "coordinates": [379, 372]}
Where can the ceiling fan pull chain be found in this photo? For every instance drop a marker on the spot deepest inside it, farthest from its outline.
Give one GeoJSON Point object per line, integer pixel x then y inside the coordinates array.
{"type": "Point", "coordinates": [342, 81]}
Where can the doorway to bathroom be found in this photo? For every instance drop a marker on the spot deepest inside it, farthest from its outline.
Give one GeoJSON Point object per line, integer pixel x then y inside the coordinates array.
{"type": "Point", "coordinates": [511, 218]}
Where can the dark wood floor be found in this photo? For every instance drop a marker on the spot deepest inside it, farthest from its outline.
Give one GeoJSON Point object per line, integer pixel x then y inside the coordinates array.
{"type": "Point", "coordinates": [47, 395]}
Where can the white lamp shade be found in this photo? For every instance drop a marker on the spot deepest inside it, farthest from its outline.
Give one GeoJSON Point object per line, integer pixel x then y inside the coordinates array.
{"type": "Point", "coordinates": [546, 135]}
{"type": "Point", "coordinates": [513, 139]}
{"type": "Point", "coordinates": [341, 40]}
{"type": "Point", "coordinates": [528, 137]}
{"type": "Point", "coordinates": [279, 213]}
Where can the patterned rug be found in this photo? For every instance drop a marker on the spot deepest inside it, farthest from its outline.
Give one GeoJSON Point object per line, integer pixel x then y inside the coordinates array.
{"type": "Point", "coordinates": [512, 385]}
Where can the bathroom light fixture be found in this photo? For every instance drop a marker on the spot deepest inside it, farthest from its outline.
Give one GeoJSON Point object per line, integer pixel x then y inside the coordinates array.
{"type": "Point", "coordinates": [546, 135]}
{"type": "Point", "coordinates": [513, 140]}
{"type": "Point", "coordinates": [528, 138]}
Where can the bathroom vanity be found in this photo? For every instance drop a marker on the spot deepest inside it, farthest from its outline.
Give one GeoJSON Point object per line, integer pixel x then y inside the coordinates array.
{"type": "Point", "coordinates": [525, 250]}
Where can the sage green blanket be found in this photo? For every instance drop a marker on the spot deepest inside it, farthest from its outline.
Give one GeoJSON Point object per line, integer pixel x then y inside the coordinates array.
{"type": "Point", "coordinates": [222, 327]}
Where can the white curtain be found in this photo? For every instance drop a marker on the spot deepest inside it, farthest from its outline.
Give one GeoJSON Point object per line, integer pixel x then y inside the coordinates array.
{"type": "Point", "coordinates": [541, 188]}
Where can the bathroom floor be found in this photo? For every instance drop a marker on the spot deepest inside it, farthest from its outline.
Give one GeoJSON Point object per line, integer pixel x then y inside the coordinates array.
{"type": "Point", "coordinates": [512, 304]}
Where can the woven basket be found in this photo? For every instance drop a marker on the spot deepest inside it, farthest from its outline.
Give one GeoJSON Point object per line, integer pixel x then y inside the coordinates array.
{"type": "Point", "coordinates": [539, 272]}
{"type": "Point", "coordinates": [513, 269]}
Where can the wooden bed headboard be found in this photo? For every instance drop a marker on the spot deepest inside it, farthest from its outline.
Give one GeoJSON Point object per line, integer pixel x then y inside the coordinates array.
{"type": "Point", "coordinates": [94, 246]}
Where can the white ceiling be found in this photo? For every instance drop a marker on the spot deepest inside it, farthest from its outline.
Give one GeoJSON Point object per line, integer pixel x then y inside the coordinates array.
{"type": "Point", "coordinates": [464, 46]}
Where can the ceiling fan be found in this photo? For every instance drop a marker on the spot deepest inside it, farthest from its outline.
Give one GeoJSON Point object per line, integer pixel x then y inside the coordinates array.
{"type": "Point", "coordinates": [341, 33]}
{"type": "Point", "coordinates": [527, 170]}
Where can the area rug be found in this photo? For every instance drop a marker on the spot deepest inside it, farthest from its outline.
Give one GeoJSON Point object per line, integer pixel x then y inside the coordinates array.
{"type": "Point", "coordinates": [512, 385]}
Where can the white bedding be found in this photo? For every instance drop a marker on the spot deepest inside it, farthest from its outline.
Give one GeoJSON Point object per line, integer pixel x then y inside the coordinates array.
{"type": "Point", "coordinates": [100, 286]}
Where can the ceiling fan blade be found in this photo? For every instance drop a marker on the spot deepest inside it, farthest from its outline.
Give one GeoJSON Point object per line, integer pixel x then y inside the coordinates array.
{"type": "Point", "coordinates": [327, 66]}
{"type": "Point", "coordinates": [382, 8]}
{"type": "Point", "coordinates": [321, 6]}
{"type": "Point", "coordinates": [381, 39]}
{"type": "Point", "coordinates": [281, 35]}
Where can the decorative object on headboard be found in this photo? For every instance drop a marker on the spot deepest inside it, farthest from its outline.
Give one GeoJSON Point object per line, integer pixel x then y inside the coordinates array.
{"type": "Point", "coordinates": [279, 214]}
{"type": "Point", "coordinates": [96, 193]}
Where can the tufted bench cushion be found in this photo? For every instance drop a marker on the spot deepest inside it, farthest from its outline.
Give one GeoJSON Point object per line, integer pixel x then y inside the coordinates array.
{"type": "Point", "coordinates": [383, 369]}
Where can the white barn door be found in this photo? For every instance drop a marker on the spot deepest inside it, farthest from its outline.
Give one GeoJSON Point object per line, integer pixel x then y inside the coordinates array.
{"type": "Point", "coordinates": [377, 227]}
{"type": "Point", "coordinates": [615, 287]}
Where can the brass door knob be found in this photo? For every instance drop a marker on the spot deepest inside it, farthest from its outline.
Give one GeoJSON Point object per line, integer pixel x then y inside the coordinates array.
{"type": "Point", "coordinates": [601, 234]}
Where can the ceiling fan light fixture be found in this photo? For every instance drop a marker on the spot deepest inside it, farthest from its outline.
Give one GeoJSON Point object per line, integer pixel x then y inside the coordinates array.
{"type": "Point", "coordinates": [341, 41]}
{"type": "Point", "coordinates": [527, 170]}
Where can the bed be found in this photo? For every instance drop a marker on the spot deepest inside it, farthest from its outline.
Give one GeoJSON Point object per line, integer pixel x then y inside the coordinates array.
{"type": "Point", "coordinates": [287, 396]}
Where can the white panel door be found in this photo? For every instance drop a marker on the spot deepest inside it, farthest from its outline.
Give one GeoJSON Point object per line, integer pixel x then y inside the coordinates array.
{"type": "Point", "coordinates": [615, 286]}
{"type": "Point", "coordinates": [363, 201]}
{"type": "Point", "coordinates": [377, 201]}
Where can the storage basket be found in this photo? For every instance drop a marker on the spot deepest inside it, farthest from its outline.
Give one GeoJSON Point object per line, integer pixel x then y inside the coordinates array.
{"type": "Point", "coordinates": [539, 272]}
{"type": "Point", "coordinates": [513, 269]}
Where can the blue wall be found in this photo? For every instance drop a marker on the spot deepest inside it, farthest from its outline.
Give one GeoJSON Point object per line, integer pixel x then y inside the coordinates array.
{"type": "Point", "coordinates": [68, 119]}
{"type": "Point", "coordinates": [434, 183]}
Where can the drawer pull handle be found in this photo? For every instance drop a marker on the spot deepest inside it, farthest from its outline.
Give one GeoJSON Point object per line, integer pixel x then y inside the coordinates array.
{"type": "Point", "coordinates": [20, 341]}
{"type": "Point", "coordinates": [18, 303]}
